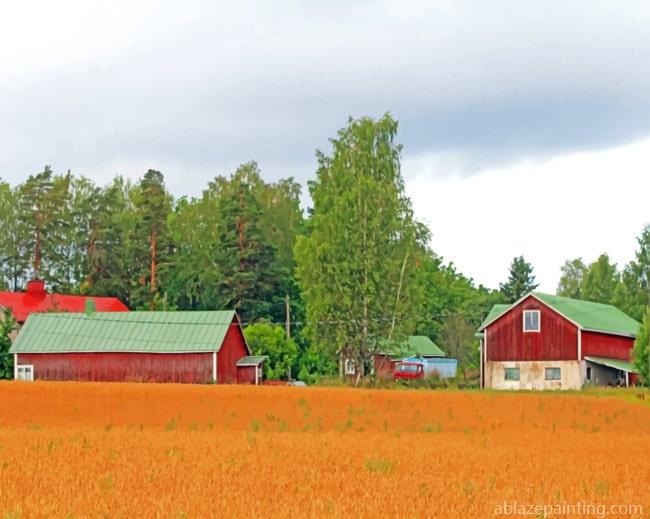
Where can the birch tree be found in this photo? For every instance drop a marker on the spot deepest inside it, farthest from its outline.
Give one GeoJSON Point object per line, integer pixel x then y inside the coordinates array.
{"type": "Point", "coordinates": [357, 265]}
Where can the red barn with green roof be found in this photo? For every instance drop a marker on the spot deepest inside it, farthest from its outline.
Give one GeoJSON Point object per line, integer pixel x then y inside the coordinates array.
{"type": "Point", "coordinates": [189, 347]}
{"type": "Point", "coordinates": [551, 342]}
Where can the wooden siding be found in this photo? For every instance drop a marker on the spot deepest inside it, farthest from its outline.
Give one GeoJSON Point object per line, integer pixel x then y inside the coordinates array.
{"type": "Point", "coordinates": [142, 367]}
{"type": "Point", "coordinates": [606, 345]}
{"type": "Point", "coordinates": [246, 374]}
{"type": "Point", "coordinates": [232, 349]}
{"type": "Point", "coordinates": [121, 367]}
{"type": "Point", "coordinates": [384, 366]}
{"type": "Point", "coordinates": [557, 340]}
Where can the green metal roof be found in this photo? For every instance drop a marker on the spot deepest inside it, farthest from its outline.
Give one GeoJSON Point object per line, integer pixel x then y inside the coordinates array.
{"type": "Point", "coordinates": [613, 363]}
{"type": "Point", "coordinates": [586, 314]}
{"type": "Point", "coordinates": [147, 332]}
{"type": "Point", "coordinates": [495, 312]}
{"type": "Point", "coordinates": [418, 345]}
{"type": "Point", "coordinates": [592, 316]}
{"type": "Point", "coordinates": [252, 360]}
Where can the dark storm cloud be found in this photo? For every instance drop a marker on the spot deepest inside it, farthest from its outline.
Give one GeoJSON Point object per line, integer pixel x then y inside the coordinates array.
{"type": "Point", "coordinates": [196, 90]}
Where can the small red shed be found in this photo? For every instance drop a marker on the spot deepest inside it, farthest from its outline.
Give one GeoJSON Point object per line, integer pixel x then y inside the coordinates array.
{"type": "Point", "coordinates": [249, 369]}
{"type": "Point", "coordinates": [190, 347]}
{"type": "Point", "coordinates": [551, 342]}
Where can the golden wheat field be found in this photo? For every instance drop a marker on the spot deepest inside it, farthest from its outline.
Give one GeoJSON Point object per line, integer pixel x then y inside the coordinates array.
{"type": "Point", "coordinates": [144, 450]}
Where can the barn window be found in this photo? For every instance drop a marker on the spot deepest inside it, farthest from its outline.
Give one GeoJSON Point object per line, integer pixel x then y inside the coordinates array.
{"type": "Point", "coordinates": [553, 374]}
{"type": "Point", "coordinates": [350, 367]}
{"type": "Point", "coordinates": [588, 372]}
{"type": "Point", "coordinates": [512, 373]}
{"type": "Point", "coordinates": [531, 320]}
{"type": "Point", "coordinates": [25, 372]}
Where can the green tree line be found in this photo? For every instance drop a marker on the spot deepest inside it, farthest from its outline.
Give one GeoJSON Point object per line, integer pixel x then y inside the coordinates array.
{"type": "Point", "coordinates": [627, 288]}
{"type": "Point", "coordinates": [352, 274]}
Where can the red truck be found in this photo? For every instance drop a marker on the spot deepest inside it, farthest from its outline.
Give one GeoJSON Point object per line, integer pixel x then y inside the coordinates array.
{"type": "Point", "coordinates": [408, 371]}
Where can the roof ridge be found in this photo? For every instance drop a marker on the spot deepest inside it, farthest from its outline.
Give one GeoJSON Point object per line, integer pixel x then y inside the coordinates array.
{"type": "Point", "coordinates": [581, 301]}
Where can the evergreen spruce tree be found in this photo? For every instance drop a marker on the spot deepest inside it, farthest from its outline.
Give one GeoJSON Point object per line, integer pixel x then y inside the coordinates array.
{"type": "Point", "coordinates": [520, 282]}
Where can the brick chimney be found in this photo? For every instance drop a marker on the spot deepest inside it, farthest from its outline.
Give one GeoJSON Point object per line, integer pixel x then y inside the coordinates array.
{"type": "Point", "coordinates": [36, 288]}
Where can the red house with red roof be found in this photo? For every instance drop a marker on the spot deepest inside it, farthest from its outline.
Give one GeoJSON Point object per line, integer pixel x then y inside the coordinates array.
{"type": "Point", "coordinates": [37, 300]}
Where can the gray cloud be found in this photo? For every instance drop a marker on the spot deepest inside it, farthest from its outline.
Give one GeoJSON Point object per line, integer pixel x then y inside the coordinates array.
{"type": "Point", "coordinates": [194, 91]}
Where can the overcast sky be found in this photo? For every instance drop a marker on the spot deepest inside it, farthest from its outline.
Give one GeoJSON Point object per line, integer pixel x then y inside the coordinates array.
{"type": "Point", "coordinates": [526, 125]}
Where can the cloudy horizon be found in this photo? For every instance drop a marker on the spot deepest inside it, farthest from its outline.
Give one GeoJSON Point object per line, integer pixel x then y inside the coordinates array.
{"type": "Point", "coordinates": [534, 114]}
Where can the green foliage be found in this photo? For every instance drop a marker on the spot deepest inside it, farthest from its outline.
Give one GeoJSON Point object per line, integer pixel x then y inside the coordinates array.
{"type": "Point", "coordinates": [268, 339]}
{"type": "Point", "coordinates": [448, 292]}
{"type": "Point", "coordinates": [357, 267]}
{"type": "Point", "coordinates": [520, 282]}
{"type": "Point", "coordinates": [458, 340]}
{"type": "Point", "coordinates": [641, 348]}
{"type": "Point", "coordinates": [152, 206]}
{"type": "Point", "coordinates": [113, 260]}
{"type": "Point", "coordinates": [572, 279]}
{"type": "Point", "coordinates": [251, 274]}
{"type": "Point", "coordinates": [600, 281]}
{"type": "Point", "coordinates": [317, 363]}
{"type": "Point", "coordinates": [233, 247]}
{"type": "Point", "coordinates": [42, 214]}
{"type": "Point", "coordinates": [12, 239]}
{"type": "Point", "coordinates": [633, 293]}
{"type": "Point", "coordinates": [7, 326]}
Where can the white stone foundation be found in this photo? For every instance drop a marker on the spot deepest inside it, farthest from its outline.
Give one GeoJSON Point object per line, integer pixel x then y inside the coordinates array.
{"type": "Point", "coordinates": [532, 375]}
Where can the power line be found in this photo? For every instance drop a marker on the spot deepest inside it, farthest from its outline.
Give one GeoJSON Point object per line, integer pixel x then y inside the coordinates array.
{"type": "Point", "coordinates": [95, 318]}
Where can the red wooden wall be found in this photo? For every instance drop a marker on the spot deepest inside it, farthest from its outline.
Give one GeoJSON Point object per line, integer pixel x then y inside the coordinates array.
{"type": "Point", "coordinates": [246, 375]}
{"type": "Point", "coordinates": [557, 340]}
{"type": "Point", "coordinates": [384, 367]}
{"type": "Point", "coordinates": [232, 349]}
{"type": "Point", "coordinates": [604, 345]}
{"type": "Point", "coordinates": [142, 367]}
{"type": "Point", "coordinates": [121, 367]}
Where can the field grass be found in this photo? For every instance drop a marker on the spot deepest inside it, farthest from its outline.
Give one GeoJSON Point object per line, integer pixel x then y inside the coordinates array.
{"type": "Point", "coordinates": [143, 450]}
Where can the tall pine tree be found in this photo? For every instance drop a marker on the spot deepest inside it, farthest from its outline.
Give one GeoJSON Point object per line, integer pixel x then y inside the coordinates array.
{"type": "Point", "coordinates": [250, 271]}
{"type": "Point", "coordinates": [43, 200]}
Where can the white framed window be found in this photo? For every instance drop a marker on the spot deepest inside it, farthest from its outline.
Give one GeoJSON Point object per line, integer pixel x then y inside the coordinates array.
{"type": "Point", "coordinates": [350, 367]}
{"type": "Point", "coordinates": [25, 372]}
{"type": "Point", "coordinates": [511, 373]}
{"type": "Point", "coordinates": [532, 321]}
{"type": "Point", "coordinates": [553, 374]}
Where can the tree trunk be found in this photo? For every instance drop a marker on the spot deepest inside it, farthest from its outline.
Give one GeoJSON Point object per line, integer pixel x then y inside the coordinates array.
{"type": "Point", "coordinates": [241, 242]}
{"type": "Point", "coordinates": [38, 254]}
{"type": "Point", "coordinates": [154, 242]}
{"type": "Point", "coordinates": [365, 332]}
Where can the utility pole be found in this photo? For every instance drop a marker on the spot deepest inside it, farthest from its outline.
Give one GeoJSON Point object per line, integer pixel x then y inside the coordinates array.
{"type": "Point", "coordinates": [287, 326]}
{"type": "Point", "coordinates": [287, 310]}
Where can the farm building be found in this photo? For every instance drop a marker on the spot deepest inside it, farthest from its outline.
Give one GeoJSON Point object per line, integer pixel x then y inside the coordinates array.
{"type": "Point", "coordinates": [551, 342]}
{"type": "Point", "coordinates": [420, 346]}
{"type": "Point", "coordinates": [190, 347]}
{"type": "Point", "coordinates": [36, 299]}
{"type": "Point", "coordinates": [416, 349]}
